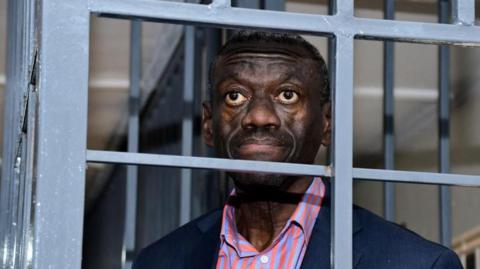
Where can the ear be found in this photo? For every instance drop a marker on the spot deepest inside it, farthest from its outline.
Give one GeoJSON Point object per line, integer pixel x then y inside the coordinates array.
{"type": "Point", "coordinates": [207, 130]}
{"type": "Point", "coordinates": [327, 124]}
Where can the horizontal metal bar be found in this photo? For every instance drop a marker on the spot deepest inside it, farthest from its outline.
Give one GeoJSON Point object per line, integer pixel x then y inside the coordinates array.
{"type": "Point", "coordinates": [205, 163]}
{"type": "Point", "coordinates": [99, 156]}
{"type": "Point", "coordinates": [207, 14]}
{"type": "Point", "coordinates": [416, 177]}
{"type": "Point", "coordinates": [415, 32]}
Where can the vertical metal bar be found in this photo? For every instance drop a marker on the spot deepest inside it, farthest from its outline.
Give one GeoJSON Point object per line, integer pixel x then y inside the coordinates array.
{"type": "Point", "coordinates": [342, 154]}
{"type": "Point", "coordinates": [213, 45]}
{"type": "Point", "coordinates": [27, 238]}
{"type": "Point", "coordinates": [332, 7]}
{"type": "Point", "coordinates": [222, 3]}
{"type": "Point", "coordinates": [278, 5]}
{"type": "Point", "coordinates": [253, 4]}
{"type": "Point", "coordinates": [477, 257]}
{"type": "Point", "coordinates": [388, 112]}
{"type": "Point", "coordinates": [60, 156]}
{"type": "Point", "coordinates": [187, 124]}
{"type": "Point", "coordinates": [341, 59]}
{"type": "Point", "coordinates": [444, 128]}
{"type": "Point", "coordinates": [15, 187]}
{"type": "Point", "coordinates": [463, 11]}
{"type": "Point", "coordinates": [463, 259]}
{"type": "Point", "coordinates": [133, 140]}
{"type": "Point", "coordinates": [344, 8]}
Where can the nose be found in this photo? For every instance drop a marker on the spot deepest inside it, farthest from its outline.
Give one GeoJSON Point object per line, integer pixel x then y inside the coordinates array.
{"type": "Point", "coordinates": [261, 114]}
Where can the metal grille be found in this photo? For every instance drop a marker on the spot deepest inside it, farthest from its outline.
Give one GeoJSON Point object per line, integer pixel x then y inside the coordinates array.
{"type": "Point", "coordinates": [60, 150]}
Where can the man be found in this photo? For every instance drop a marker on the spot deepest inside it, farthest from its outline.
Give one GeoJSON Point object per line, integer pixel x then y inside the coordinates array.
{"type": "Point", "coordinates": [270, 101]}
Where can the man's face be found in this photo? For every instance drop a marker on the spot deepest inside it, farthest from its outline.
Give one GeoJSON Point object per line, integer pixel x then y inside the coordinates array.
{"type": "Point", "coordinates": [266, 106]}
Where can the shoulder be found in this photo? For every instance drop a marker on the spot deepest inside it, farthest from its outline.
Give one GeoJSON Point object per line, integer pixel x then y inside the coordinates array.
{"type": "Point", "coordinates": [388, 245]}
{"type": "Point", "coordinates": [177, 245]}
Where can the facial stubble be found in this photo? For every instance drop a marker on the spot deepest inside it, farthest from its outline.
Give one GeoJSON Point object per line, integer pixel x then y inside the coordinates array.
{"type": "Point", "coordinates": [249, 182]}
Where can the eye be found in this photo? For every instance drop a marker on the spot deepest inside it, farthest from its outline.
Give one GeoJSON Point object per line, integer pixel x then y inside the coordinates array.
{"type": "Point", "coordinates": [288, 97]}
{"type": "Point", "coordinates": [235, 98]}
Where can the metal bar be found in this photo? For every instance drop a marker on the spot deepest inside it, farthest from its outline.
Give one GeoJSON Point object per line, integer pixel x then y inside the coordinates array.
{"type": "Point", "coordinates": [250, 4]}
{"type": "Point", "coordinates": [342, 154]}
{"type": "Point", "coordinates": [445, 216]}
{"type": "Point", "coordinates": [205, 163]}
{"type": "Point", "coordinates": [331, 43]}
{"type": "Point", "coordinates": [27, 239]}
{"type": "Point", "coordinates": [99, 156]}
{"type": "Point", "coordinates": [332, 9]}
{"type": "Point", "coordinates": [15, 185]}
{"type": "Point", "coordinates": [275, 5]}
{"type": "Point", "coordinates": [388, 115]}
{"type": "Point", "coordinates": [477, 257]}
{"type": "Point", "coordinates": [133, 141]}
{"type": "Point", "coordinates": [463, 259]}
{"type": "Point", "coordinates": [344, 8]}
{"type": "Point", "coordinates": [444, 129]}
{"type": "Point", "coordinates": [463, 12]}
{"type": "Point", "coordinates": [416, 32]}
{"type": "Point", "coordinates": [222, 3]}
{"type": "Point", "coordinates": [62, 134]}
{"type": "Point", "coordinates": [187, 123]}
{"type": "Point", "coordinates": [213, 44]}
{"type": "Point", "coordinates": [416, 177]}
{"type": "Point", "coordinates": [331, 65]}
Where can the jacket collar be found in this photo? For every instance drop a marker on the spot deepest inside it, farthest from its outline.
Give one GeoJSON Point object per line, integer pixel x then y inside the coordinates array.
{"type": "Point", "coordinates": [317, 254]}
{"type": "Point", "coordinates": [205, 254]}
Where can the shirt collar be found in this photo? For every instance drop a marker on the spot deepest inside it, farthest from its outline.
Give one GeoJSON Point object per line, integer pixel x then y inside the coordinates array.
{"type": "Point", "coordinates": [307, 209]}
{"type": "Point", "coordinates": [304, 216]}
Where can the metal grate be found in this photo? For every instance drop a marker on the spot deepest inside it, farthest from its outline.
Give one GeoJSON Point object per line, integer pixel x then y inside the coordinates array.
{"type": "Point", "coordinates": [61, 154]}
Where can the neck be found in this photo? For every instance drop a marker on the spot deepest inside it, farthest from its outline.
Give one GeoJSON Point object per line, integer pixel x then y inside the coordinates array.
{"type": "Point", "coordinates": [261, 216]}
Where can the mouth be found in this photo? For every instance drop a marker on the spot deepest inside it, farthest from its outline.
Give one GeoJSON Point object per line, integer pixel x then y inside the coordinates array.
{"type": "Point", "coordinates": [261, 149]}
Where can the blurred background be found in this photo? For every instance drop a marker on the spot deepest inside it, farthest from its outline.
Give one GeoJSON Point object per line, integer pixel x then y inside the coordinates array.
{"type": "Point", "coordinates": [162, 64]}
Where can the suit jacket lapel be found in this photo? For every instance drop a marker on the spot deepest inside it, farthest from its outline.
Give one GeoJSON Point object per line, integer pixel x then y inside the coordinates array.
{"type": "Point", "coordinates": [317, 254]}
{"type": "Point", "coordinates": [205, 254]}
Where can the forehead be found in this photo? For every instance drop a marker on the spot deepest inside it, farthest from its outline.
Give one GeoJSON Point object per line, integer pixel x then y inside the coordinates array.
{"type": "Point", "coordinates": [262, 59]}
{"type": "Point", "coordinates": [258, 61]}
{"type": "Point", "coordinates": [293, 50]}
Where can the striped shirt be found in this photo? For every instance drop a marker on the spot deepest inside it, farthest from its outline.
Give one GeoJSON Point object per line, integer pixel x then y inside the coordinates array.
{"type": "Point", "coordinates": [287, 249]}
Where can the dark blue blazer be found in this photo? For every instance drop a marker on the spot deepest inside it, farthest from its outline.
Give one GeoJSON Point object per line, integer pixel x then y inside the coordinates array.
{"type": "Point", "coordinates": [377, 244]}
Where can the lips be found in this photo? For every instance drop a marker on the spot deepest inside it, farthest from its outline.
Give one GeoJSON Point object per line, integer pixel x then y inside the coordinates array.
{"type": "Point", "coordinates": [261, 149]}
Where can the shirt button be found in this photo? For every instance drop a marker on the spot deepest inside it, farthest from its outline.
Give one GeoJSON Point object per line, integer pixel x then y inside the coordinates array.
{"type": "Point", "coordinates": [264, 259]}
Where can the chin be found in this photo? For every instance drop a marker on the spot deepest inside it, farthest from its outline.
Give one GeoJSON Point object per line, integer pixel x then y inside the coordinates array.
{"type": "Point", "coordinates": [248, 182]}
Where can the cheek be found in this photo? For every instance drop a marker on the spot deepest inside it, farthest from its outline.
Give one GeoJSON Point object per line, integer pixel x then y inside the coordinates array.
{"type": "Point", "coordinates": [226, 123]}
{"type": "Point", "coordinates": [306, 126]}
{"type": "Point", "coordinates": [296, 123]}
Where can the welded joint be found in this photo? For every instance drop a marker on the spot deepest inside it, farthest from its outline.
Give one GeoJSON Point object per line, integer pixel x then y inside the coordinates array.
{"type": "Point", "coordinates": [459, 21]}
{"type": "Point", "coordinates": [329, 171]}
